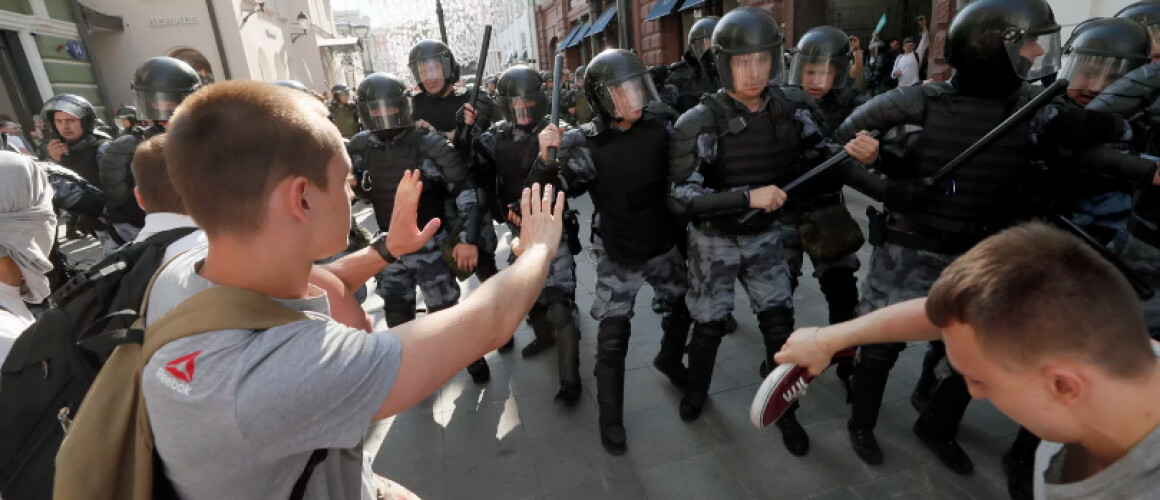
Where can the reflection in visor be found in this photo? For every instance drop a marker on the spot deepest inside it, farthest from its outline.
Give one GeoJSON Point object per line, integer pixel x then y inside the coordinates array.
{"type": "Point", "coordinates": [1035, 56]}
{"type": "Point", "coordinates": [431, 69]}
{"type": "Point", "coordinates": [1095, 73]}
{"type": "Point", "coordinates": [811, 71]}
{"type": "Point", "coordinates": [1154, 30]}
{"type": "Point", "coordinates": [751, 71]}
{"type": "Point", "coordinates": [624, 100]}
{"type": "Point", "coordinates": [523, 109]}
{"type": "Point", "coordinates": [383, 115]}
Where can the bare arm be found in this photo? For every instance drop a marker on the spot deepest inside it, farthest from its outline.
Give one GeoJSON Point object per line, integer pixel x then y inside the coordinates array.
{"type": "Point", "coordinates": [356, 269]}
{"type": "Point", "coordinates": [902, 322]}
{"type": "Point", "coordinates": [343, 306]}
{"type": "Point", "coordinates": [438, 345]}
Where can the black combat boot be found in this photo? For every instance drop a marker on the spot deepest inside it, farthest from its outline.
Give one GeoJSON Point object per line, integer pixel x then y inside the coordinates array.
{"type": "Point", "coordinates": [706, 338]}
{"type": "Point", "coordinates": [730, 324]}
{"type": "Point", "coordinates": [479, 371]}
{"type": "Point", "coordinates": [675, 326]}
{"type": "Point", "coordinates": [611, 349]}
{"type": "Point", "coordinates": [568, 350]}
{"type": "Point", "coordinates": [543, 330]}
{"type": "Point", "coordinates": [871, 370]}
{"type": "Point", "coordinates": [776, 324]}
{"type": "Point", "coordinates": [840, 288]}
{"type": "Point", "coordinates": [793, 435]}
{"type": "Point", "coordinates": [940, 422]}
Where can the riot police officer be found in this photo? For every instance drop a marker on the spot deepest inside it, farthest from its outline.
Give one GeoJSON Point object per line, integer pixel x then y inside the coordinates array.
{"type": "Point", "coordinates": [729, 154]}
{"type": "Point", "coordinates": [581, 108]}
{"type": "Point", "coordinates": [126, 119]}
{"type": "Point", "coordinates": [159, 85]}
{"type": "Point", "coordinates": [820, 66]}
{"type": "Point", "coordinates": [508, 152]}
{"type": "Point", "coordinates": [694, 75]}
{"type": "Point", "coordinates": [437, 107]}
{"type": "Point", "coordinates": [390, 146]}
{"type": "Point", "coordinates": [635, 235]}
{"type": "Point", "coordinates": [343, 112]}
{"type": "Point", "coordinates": [1148, 14]}
{"type": "Point", "coordinates": [74, 141]}
{"type": "Point", "coordinates": [923, 229]}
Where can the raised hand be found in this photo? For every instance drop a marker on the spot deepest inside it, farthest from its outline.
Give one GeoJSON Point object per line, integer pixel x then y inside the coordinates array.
{"type": "Point", "coordinates": [404, 236]}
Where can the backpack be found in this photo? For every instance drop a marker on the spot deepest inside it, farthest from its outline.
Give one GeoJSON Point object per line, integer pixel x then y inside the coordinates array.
{"type": "Point", "coordinates": [114, 429]}
{"type": "Point", "coordinates": [46, 375]}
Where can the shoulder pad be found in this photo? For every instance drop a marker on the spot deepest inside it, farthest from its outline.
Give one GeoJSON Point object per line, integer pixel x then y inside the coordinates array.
{"type": "Point", "coordinates": [677, 65]}
{"type": "Point", "coordinates": [359, 141]}
{"type": "Point", "coordinates": [697, 119]}
{"type": "Point", "coordinates": [1137, 89]}
{"type": "Point", "coordinates": [428, 141]}
{"type": "Point", "coordinates": [592, 128]}
{"type": "Point", "coordinates": [102, 136]}
{"type": "Point", "coordinates": [937, 89]}
{"type": "Point", "coordinates": [124, 144]}
{"type": "Point", "coordinates": [897, 107]}
{"type": "Point", "coordinates": [572, 138]}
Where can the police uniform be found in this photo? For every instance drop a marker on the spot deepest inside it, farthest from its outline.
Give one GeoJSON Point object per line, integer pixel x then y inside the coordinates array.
{"type": "Point", "coordinates": [345, 117]}
{"type": "Point", "coordinates": [126, 217]}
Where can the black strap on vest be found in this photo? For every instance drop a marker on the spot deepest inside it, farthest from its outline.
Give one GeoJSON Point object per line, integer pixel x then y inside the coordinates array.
{"type": "Point", "coordinates": [299, 490]}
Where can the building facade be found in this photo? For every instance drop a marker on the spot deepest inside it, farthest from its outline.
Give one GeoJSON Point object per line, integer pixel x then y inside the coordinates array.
{"type": "Point", "coordinates": [513, 38]}
{"type": "Point", "coordinates": [222, 39]}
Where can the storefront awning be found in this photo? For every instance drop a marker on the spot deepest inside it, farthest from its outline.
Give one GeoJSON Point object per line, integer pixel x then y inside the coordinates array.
{"type": "Point", "coordinates": [689, 4]}
{"type": "Point", "coordinates": [568, 39]}
{"type": "Point", "coordinates": [579, 35]}
{"type": "Point", "coordinates": [661, 9]}
{"type": "Point", "coordinates": [603, 20]}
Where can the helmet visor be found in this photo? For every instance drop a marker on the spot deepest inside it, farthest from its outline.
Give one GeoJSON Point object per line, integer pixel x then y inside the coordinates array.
{"type": "Point", "coordinates": [1035, 56]}
{"type": "Point", "coordinates": [699, 46]}
{"type": "Point", "coordinates": [384, 115]}
{"type": "Point", "coordinates": [822, 73]}
{"type": "Point", "coordinates": [157, 105]}
{"type": "Point", "coordinates": [626, 99]}
{"type": "Point", "coordinates": [521, 110]}
{"type": "Point", "coordinates": [755, 70]}
{"type": "Point", "coordinates": [1095, 72]}
{"type": "Point", "coordinates": [1154, 30]}
{"type": "Point", "coordinates": [68, 106]}
{"type": "Point", "coordinates": [431, 70]}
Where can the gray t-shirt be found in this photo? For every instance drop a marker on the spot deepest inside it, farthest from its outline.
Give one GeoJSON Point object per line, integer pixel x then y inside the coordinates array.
{"type": "Point", "coordinates": [1136, 475]}
{"type": "Point", "coordinates": [236, 413]}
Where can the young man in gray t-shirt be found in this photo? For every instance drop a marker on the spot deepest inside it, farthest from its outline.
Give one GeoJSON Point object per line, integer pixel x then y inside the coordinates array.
{"type": "Point", "coordinates": [237, 414]}
{"type": "Point", "coordinates": [1050, 332]}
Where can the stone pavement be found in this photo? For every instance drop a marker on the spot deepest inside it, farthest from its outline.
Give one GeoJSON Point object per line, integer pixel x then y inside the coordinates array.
{"type": "Point", "coordinates": [507, 440]}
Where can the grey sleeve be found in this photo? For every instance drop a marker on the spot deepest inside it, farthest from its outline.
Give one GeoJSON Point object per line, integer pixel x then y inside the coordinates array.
{"type": "Point", "coordinates": [316, 384]}
{"type": "Point", "coordinates": [579, 168]}
{"type": "Point", "coordinates": [694, 144]}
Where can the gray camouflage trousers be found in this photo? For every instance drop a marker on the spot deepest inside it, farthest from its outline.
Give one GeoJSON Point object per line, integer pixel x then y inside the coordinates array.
{"type": "Point", "coordinates": [617, 284]}
{"type": "Point", "coordinates": [717, 260]}
{"type": "Point", "coordinates": [560, 286]}
{"type": "Point", "coordinates": [1144, 259]}
{"type": "Point", "coordinates": [425, 268]}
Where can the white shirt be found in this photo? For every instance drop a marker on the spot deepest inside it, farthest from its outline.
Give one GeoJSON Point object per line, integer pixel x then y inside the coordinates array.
{"type": "Point", "coordinates": [906, 65]}
{"type": "Point", "coordinates": [164, 221]}
{"type": "Point", "coordinates": [14, 317]}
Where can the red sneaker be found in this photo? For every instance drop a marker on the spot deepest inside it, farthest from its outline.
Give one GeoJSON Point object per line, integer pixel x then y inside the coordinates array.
{"type": "Point", "coordinates": [784, 385]}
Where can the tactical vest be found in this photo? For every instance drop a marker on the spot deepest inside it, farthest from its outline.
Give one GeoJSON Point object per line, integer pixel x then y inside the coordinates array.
{"type": "Point", "coordinates": [765, 153]}
{"type": "Point", "coordinates": [116, 178]}
{"type": "Point", "coordinates": [82, 159]}
{"type": "Point", "coordinates": [632, 172]}
{"type": "Point", "coordinates": [513, 161]}
{"type": "Point", "coordinates": [386, 164]}
{"type": "Point", "coordinates": [836, 106]}
{"type": "Point", "coordinates": [977, 198]}
{"type": "Point", "coordinates": [438, 111]}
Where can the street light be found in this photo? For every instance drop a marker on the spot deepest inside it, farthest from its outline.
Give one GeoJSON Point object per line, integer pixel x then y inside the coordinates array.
{"type": "Point", "coordinates": [303, 24]}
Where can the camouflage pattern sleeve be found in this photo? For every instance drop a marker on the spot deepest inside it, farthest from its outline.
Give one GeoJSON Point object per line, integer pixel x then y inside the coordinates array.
{"type": "Point", "coordinates": [694, 145]}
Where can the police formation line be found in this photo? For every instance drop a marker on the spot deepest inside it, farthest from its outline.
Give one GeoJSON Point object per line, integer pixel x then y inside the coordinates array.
{"type": "Point", "coordinates": [686, 175]}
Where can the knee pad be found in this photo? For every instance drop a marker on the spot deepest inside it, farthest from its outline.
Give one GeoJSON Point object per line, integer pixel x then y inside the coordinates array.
{"type": "Point", "coordinates": [612, 338]}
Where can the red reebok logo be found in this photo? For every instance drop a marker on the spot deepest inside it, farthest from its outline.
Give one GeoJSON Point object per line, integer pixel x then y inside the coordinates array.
{"type": "Point", "coordinates": [182, 368]}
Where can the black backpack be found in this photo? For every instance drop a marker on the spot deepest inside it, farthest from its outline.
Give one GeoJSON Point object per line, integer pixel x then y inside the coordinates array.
{"type": "Point", "coordinates": [54, 362]}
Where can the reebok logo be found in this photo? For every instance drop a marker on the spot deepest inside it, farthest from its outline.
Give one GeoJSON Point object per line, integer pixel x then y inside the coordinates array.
{"type": "Point", "coordinates": [182, 368]}
{"type": "Point", "coordinates": [177, 374]}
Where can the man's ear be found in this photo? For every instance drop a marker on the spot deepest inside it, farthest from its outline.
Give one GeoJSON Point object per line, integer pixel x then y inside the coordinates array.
{"type": "Point", "coordinates": [140, 200]}
{"type": "Point", "coordinates": [290, 197]}
{"type": "Point", "coordinates": [1065, 384]}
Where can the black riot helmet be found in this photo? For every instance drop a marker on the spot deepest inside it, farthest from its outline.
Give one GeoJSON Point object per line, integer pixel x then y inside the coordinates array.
{"type": "Point", "coordinates": [1148, 14]}
{"type": "Point", "coordinates": [74, 105]}
{"type": "Point", "coordinates": [580, 70]}
{"type": "Point", "coordinates": [821, 59]}
{"type": "Point", "coordinates": [383, 102]}
{"type": "Point", "coordinates": [127, 112]}
{"type": "Point", "coordinates": [1004, 41]}
{"type": "Point", "coordinates": [293, 84]}
{"type": "Point", "coordinates": [1100, 51]}
{"type": "Point", "coordinates": [618, 85]}
{"type": "Point", "coordinates": [701, 35]}
{"type": "Point", "coordinates": [521, 96]}
{"type": "Point", "coordinates": [750, 36]}
{"type": "Point", "coordinates": [161, 83]}
{"type": "Point", "coordinates": [433, 60]}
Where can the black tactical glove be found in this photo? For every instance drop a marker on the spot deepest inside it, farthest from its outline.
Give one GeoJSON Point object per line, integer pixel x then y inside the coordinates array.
{"type": "Point", "coordinates": [1081, 129]}
{"type": "Point", "coordinates": [907, 194]}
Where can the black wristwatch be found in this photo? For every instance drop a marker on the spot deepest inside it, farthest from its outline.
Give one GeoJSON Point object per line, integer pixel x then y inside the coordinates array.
{"type": "Point", "coordinates": [380, 246]}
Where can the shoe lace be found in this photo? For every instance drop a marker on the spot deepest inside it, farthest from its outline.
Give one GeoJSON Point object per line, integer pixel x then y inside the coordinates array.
{"type": "Point", "coordinates": [796, 391]}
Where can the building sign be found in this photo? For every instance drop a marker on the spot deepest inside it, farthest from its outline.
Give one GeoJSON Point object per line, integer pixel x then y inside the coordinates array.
{"type": "Point", "coordinates": [160, 22]}
{"type": "Point", "coordinates": [75, 49]}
